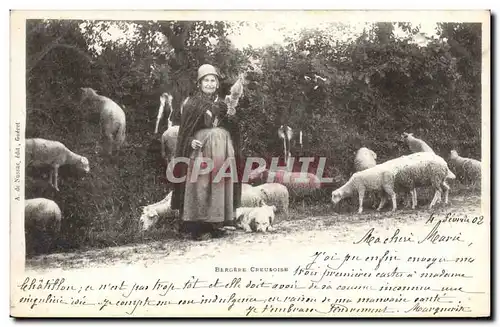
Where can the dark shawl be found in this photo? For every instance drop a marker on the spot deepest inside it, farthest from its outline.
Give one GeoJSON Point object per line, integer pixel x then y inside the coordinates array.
{"type": "Point", "coordinates": [193, 119]}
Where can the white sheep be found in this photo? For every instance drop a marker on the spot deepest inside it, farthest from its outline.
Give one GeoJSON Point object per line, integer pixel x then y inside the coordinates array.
{"type": "Point", "coordinates": [256, 219]}
{"type": "Point", "coordinates": [364, 159]}
{"type": "Point", "coordinates": [298, 183]}
{"type": "Point", "coordinates": [55, 154]}
{"type": "Point", "coordinates": [275, 194]}
{"type": "Point", "coordinates": [169, 143]}
{"type": "Point", "coordinates": [112, 119]}
{"type": "Point", "coordinates": [424, 169]}
{"type": "Point", "coordinates": [416, 144]}
{"type": "Point", "coordinates": [153, 212]}
{"type": "Point", "coordinates": [407, 171]}
{"type": "Point", "coordinates": [467, 169]}
{"type": "Point", "coordinates": [42, 221]}
{"type": "Point", "coordinates": [250, 196]}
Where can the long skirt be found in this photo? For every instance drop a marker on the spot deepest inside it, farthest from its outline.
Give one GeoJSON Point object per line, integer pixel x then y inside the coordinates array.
{"type": "Point", "coordinates": [208, 197]}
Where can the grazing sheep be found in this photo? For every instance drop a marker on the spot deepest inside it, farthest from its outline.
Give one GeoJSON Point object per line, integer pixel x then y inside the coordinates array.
{"type": "Point", "coordinates": [256, 219]}
{"type": "Point", "coordinates": [408, 171]}
{"type": "Point", "coordinates": [153, 212]}
{"type": "Point", "coordinates": [364, 159]}
{"type": "Point", "coordinates": [467, 169]}
{"type": "Point", "coordinates": [250, 196]}
{"type": "Point", "coordinates": [415, 144]}
{"type": "Point", "coordinates": [275, 194]}
{"type": "Point", "coordinates": [42, 221]}
{"type": "Point", "coordinates": [297, 183]}
{"type": "Point", "coordinates": [113, 121]}
{"type": "Point", "coordinates": [424, 169]}
{"type": "Point", "coordinates": [46, 152]}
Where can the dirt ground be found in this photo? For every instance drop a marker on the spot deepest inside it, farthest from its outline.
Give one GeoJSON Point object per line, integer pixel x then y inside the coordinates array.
{"type": "Point", "coordinates": [317, 224]}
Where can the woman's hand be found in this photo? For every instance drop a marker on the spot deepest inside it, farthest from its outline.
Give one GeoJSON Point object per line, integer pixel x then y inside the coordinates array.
{"type": "Point", "coordinates": [195, 144]}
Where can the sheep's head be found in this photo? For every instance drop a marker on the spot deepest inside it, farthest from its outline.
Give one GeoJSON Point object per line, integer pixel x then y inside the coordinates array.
{"type": "Point", "coordinates": [453, 154]}
{"type": "Point", "coordinates": [406, 136]}
{"type": "Point", "coordinates": [83, 164]}
{"type": "Point", "coordinates": [258, 176]}
{"type": "Point", "coordinates": [86, 93]}
{"type": "Point", "coordinates": [336, 197]}
{"type": "Point", "coordinates": [148, 218]}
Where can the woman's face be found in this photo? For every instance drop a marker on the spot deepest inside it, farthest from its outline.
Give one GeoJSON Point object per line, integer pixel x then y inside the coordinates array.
{"type": "Point", "coordinates": [209, 84]}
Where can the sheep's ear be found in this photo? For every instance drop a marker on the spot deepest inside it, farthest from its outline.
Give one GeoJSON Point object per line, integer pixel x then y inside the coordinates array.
{"type": "Point", "coordinates": [261, 203]}
{"type": "Point", "coordinates": [274, 208]}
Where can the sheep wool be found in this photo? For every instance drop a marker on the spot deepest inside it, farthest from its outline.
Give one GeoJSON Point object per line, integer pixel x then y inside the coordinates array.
{"type": "Point", "coordinates": [250, 196]}
{"type": "Point", "coordinates": [416, 144]}
{"type": "Point", "coordinates": [275, 194]}
{"type": "Point", "coordinates": [55, 154]}
{"type": "Point", "coordinates": [169, 142]}
{"type": "Point", "coordinates": [420, 169]}
{"type": "Point", "coordinates": [152, 213]}
{"type": "Point", "coordinates": [42, 220]}
{"type": "Point", "coordinates": [424, 169]}
{"type": "Point", "coordinates": [467, 169]}
{"type": "Point", "coordinates": [364, 159]}
{"type": "Point", "coordinates": [113, 120]}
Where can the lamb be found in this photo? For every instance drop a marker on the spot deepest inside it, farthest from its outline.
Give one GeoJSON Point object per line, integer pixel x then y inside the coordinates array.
{"type": "Point", "coordinates": [364, 159]}
{"type": "Point", "coordinates": [467, 169]}
{"type": "Point", "coordinates": [112, 119]}
{"type": "Point", "coordinates": [408, 171]}
{"type": "Point", "coordinates": [415, 144]}
{"type": "Point", "coordinates": [42, 220]}
{"type": "Point", "coordinates": [275, 194]}
{"type": "Point", "coordinates": [46, 152]}
{"type": "Point", "coordinates": [153, 212]}
{"type": "Point", "coordinates": [256, 219]}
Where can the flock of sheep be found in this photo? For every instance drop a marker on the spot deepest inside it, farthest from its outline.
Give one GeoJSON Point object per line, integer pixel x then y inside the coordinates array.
{"type": "Point", "coordinates": [421, 168]}
{"type": "Point", "coordinates": [43, 216]}
{"type": "Point", "coordinates": [262, 197]}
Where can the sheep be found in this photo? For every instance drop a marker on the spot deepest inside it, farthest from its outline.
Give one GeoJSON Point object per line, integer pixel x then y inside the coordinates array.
{"type": "Point", "coordinates": [415, 144]}
{"type": "Point", "coordinates": [250, 196]}
{"type": "Point", "coordinates": [275, 194]}
{"type": "Point", "coordinates": [169, 143]}
{"type": "Point", "coordinates": [256, 219]}
{"type": "Point", "coordinates": [47, 152]}
{"type": "Point", "coordinates": [467, 169]}
{"type": "Point", "coordinates": [112, 119]}
{"type": "Point", "coordinates": [298, 183]}
{"type": "Point", "coordinates": [42, 220]}
{"type": "Point", "coordinates": [408, 171]}
{"type": "Point", "coordinates": [153, 212]}
{"type": "Point", "coordinates": [364, 159]}
{"type": "Point", "coordinates": [425, 169]}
